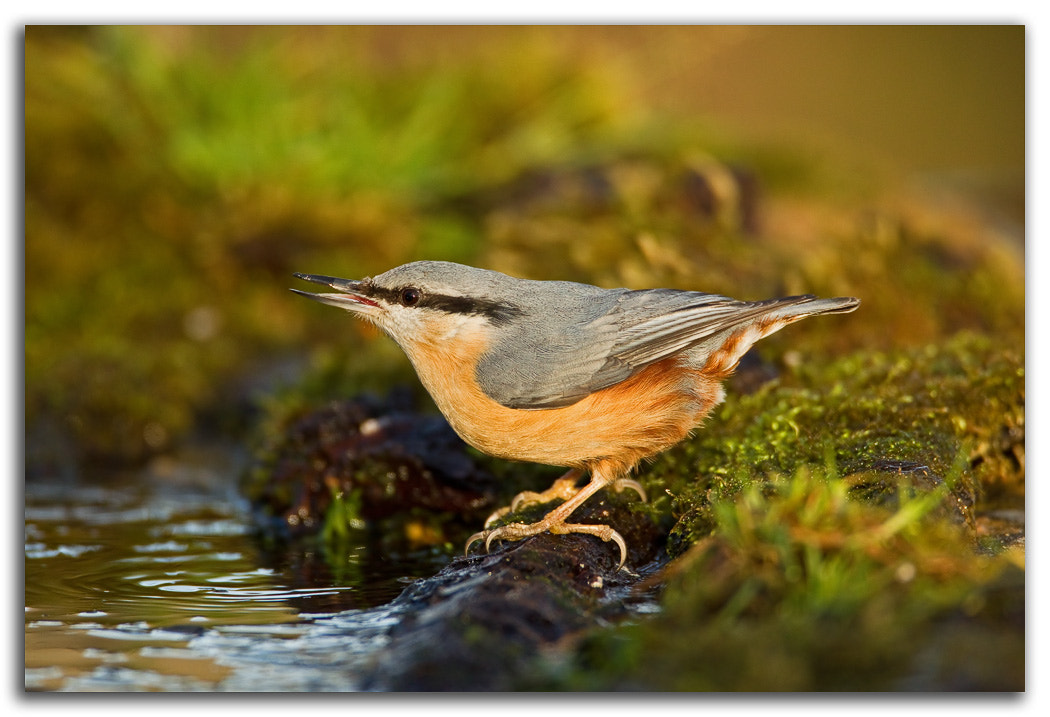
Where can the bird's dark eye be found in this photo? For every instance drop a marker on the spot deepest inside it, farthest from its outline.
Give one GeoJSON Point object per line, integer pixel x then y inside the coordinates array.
{"type": "Point", "coordinates": [409, 296]}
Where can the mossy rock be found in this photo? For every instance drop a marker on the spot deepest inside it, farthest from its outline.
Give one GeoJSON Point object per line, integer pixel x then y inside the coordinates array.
{"type": "Point", "coordinates": [950, 414]}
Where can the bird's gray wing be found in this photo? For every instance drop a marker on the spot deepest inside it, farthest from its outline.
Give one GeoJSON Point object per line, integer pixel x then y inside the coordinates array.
{"type": "Point", "coordinates": [549, 358]}
{"type": "Point", "coordinates": [672, 321]}
{"type": "Point", "coordinates": [630, 330]}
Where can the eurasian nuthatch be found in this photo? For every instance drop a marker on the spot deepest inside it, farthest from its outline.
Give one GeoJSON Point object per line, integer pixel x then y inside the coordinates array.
{"type": "Point", "coordinates": [562, 373]}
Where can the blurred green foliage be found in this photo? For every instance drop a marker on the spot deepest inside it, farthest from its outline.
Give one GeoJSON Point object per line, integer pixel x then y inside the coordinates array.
{"type": "Point", "coordinates": [176, 177]}
{"type": "Point", "coordinates": [802, 589]}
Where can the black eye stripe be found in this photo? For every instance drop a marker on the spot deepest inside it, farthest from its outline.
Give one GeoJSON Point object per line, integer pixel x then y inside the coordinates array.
{"type": "Point", "coordinates": [390, 296]}
{"type": "Point", "coordinates": [497, 312]}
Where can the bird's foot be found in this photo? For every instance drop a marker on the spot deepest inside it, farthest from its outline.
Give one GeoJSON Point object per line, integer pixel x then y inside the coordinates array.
{"type": "Point", "coordinates": [555, 521]}
{"type": "Point", "coordinates": [518, 531]}
{"type": "Point", "coordinates": [563, 488]}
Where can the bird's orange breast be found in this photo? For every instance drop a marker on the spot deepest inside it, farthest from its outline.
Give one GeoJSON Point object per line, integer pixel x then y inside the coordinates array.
{"type": "Point", "coordinates": [622, 424]}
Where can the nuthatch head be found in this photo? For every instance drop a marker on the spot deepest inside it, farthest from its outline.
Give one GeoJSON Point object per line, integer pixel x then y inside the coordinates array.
{"type": "Point", "coordinates": [562, 373]}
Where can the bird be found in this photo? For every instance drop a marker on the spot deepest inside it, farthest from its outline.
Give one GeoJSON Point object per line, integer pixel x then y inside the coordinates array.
{"type": "Point", "coordinates": [564, 373]}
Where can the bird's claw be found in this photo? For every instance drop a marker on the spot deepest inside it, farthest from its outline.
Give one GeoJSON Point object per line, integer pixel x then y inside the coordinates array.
{"type": "Point", "coordinates": [565, 489]}
{"type": "Point", "coordinates": [524, 498]}
{"type": "Point", "coordinates": [621, 483]}
{"type": "Point", "coordinates": [518, 531]}
{"type": "Point", "coordinates": [485, 535]}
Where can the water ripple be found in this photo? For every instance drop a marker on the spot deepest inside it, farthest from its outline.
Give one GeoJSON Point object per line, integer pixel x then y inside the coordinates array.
{"type": "Point", "coordinates": [128, 589]}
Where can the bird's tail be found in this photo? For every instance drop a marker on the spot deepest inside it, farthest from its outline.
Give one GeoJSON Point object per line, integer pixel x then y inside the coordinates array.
{"type": "Point", "coordinates": [768, 317]}
{"type": "Point", "coordinates": [793, 308]}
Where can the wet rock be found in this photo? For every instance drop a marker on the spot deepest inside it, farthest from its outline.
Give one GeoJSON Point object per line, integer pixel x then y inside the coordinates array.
{"type": "Point", "coordinates": [491, 621]}
{"type": "Point", "coordinates": [370, 459]}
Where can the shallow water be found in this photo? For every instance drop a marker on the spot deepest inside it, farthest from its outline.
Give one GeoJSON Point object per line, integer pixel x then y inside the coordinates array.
{"type": "Point", "coordinates": [156, 582]}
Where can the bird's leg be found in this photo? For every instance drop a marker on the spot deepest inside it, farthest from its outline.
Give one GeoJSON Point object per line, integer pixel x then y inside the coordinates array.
{"type": "Point", "coordinates": [554, 521]}
{"type": "Point", "coordinates": [564, 488]}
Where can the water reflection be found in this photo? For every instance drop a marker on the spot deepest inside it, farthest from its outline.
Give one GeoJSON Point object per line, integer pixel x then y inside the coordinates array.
{"type": "Point", "coordinates": [159, 587]}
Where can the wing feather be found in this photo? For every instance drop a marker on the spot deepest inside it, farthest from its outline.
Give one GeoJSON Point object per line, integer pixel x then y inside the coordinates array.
{"type": "Point", "coordinates": [622, 334]}
{"type": "Point", "coordinates": [663, 335]}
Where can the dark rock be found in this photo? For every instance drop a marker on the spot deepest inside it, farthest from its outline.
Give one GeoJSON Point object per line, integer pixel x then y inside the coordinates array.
{"type": "Point", "coordinates": [486, 622]}
{"type": "Point", "coordinates": [382, 458]}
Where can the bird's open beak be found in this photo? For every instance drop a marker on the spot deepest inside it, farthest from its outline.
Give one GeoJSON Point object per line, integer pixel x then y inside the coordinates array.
{"type": "Point", "coordinates": [351, 297]}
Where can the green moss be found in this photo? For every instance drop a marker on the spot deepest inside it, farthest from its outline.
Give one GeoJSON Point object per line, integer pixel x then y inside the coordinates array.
{"type": "Point", "coordinates": [916, 412]}
{"type": "Point", "coordinates": [801, 587]}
